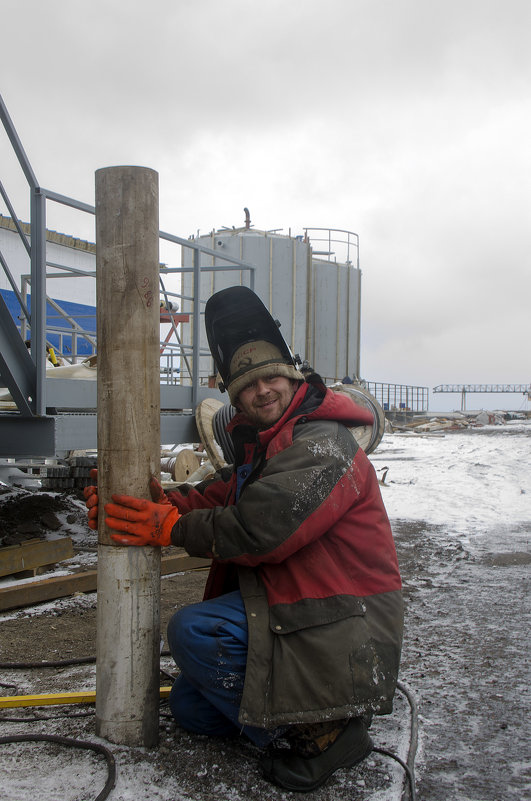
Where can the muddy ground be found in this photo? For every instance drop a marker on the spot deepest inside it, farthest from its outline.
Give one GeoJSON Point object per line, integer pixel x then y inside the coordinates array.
{"type": "Point", "coordinates": [465, 659]}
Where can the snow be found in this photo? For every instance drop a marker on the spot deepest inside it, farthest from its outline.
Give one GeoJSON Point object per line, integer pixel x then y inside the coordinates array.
{"type": "Point", "coordinates": [460, 507]}
{"type": "Point", "coordinates": [463, 480]}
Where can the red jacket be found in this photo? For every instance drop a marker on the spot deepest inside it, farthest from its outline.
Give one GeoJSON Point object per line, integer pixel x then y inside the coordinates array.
{"type": "Point", "coordinates": [305, 536]}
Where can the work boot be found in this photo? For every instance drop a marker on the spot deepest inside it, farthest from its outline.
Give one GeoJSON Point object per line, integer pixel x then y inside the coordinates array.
{"type": "Point", "coordinates": [316, 752]}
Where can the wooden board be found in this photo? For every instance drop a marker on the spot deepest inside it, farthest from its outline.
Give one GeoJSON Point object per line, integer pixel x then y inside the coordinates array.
{"type": "Point", "coordinates": [34, 554]}
{"type": "Point", "coordinates": [61, 586]}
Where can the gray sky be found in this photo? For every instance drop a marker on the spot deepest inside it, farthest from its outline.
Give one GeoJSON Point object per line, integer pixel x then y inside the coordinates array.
{"type": "Point", "coordinates": [406, 121]}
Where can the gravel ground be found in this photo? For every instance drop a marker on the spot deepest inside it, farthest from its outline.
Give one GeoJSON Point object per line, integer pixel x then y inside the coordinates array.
{"type": "Point", "coordinates": [465, 659]}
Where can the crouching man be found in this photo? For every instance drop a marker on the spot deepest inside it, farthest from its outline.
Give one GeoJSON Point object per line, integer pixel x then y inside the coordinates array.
{"type": "Point", "coordinates": [297, 641]}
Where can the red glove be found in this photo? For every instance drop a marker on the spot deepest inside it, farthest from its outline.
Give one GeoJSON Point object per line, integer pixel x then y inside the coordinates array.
{"type": "Point", "coordinates": [144, 522]}
{"type": "Point", "coordinates": [91, 496]}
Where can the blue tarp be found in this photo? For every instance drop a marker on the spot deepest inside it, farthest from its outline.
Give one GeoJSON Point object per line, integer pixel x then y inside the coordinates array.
{"type": "Point", "coordinates": [84, 316]}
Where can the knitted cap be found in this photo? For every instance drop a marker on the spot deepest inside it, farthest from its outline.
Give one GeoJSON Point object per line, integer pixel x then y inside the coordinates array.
{"type": "Point", "coordinates": [257, 360]}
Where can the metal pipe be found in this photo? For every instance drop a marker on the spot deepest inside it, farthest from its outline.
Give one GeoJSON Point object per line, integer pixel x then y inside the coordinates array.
{"type": "Point", "coordinates": [293, 291]}
{"type": "Point", "coordinates": [14, 287]}
{"type": "Point", "coordinates": [38, 297]}
{"type": "Point", "coordinates": [14, 218]}
{"type": "Point", "coordinates": [17, 145]}
{"type": "Point", "coordinates": [196, 327]}
{"type": "Point", "coordinates": [128, 321]}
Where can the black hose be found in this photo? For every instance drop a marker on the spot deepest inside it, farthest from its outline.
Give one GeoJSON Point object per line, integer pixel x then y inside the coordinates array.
{"type": "Point", "coordinates": [67, 741]}
{"type": "Point", "coordinates": [82, 660]}
{"type": "Point", "coordinates": [414, 738]}
{"type": "Point", "coordinates": [409, 765]}
{"type": "Point", "coordinates": [411, 778]}
{"type": "Point", "coordinates": [39, 718]}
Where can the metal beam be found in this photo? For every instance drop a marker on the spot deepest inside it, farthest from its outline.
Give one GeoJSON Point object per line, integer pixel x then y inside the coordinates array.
{"type": "Point", "coordinates": [38, 295]}
{"type": "Point", "coordinates": [17, 369]}
{"type": "Point", "coordinates": [79, 431]}
{"type": "Point", "coordinates": [17, 145]}
{"type": "Point", "coordinates": [484, 388]}
{"type": "Point", "coordinates": [71, 393]}
{"type": "Point", "coordinates": [27, 436]}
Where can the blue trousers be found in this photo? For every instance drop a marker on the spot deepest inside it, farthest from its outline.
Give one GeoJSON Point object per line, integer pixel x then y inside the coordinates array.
{"type": "Point", "coordinates": [208, 642]}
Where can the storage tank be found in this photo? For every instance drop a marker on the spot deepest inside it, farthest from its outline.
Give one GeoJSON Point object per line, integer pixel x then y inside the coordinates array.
{"type": "Point", "coordinates": [315, 298]}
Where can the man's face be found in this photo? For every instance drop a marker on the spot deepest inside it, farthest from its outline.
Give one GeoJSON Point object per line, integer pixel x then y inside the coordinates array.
{"type": "Point", "coordinates": [265, 400]}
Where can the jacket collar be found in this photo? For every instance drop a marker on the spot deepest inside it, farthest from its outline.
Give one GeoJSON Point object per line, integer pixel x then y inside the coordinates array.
{"type": "Point", "coordinates": [314, 401]}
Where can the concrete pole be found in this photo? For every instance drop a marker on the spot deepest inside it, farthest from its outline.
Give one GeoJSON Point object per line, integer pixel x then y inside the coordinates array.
{"type": "Point", "coordinates": [128, 326]}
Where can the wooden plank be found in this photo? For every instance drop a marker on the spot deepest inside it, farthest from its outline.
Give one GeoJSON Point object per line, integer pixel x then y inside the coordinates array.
{"type": "Point", "coordinates": [36, 592]}
{"type": "Point", "coordinates": [34, 554]}
{"type": "Point", "coordinates": [61, 586]}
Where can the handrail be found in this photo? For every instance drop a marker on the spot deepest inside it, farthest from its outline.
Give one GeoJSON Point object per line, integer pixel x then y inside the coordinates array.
{"type": "Point", "coordinates": [330, 239]}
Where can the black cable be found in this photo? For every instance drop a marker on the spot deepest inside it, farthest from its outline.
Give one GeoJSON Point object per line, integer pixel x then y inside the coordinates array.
{"type": "Point", "coordinates": [409, 774]}
{"type": "Point", "coordinates": [82, 660]}
{"type": "Point", "coordinates": [68, 741]}
{"type": "Point", "coordinates": [413, 741]}
{"type": "Point", "coordinates": [409, 766]}
{"type": "Point", "coordinates": [39, 718]}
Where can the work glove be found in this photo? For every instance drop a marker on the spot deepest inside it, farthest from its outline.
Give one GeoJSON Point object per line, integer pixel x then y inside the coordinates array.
{"type": "Point", "coordinates": [157, 492]}
{"type": "Point", "coordinates": [91, 498]}
{"type": "Point", "coordinates": [141, 522]}
{"type": "Point", "coordinates": [91, 495]}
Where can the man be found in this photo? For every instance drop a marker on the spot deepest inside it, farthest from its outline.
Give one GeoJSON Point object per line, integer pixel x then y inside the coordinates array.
{"type": "Point", "coordinates": [298, 639]}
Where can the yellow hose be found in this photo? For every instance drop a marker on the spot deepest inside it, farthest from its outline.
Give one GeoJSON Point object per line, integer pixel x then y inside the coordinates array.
{"type": "Point", "coordinates": [86, 697]}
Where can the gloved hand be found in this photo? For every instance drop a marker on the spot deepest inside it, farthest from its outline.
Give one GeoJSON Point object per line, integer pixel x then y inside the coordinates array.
{"type": "Point", "coordinates": [143, 522]}
{"type": "Point", "coordinates": [91, 497]}
{"type": "Point", "coordinates": [157, 493]}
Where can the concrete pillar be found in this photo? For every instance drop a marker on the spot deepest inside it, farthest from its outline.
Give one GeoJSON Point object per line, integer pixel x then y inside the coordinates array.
{"type": "Point", "coordinates": [128, 326]}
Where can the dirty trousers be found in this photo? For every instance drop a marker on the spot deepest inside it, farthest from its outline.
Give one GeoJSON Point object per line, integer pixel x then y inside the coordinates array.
{"type": "Point", "coordinates": [208, 642]}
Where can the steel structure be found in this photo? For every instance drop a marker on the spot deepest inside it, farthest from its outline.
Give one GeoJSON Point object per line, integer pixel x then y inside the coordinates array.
{"type": "Point", "coordinates": [463, 389]}
{"type": "Point", "coordinates": [51, 416]}
{"type": "Point", "coordinates": [56, 415]}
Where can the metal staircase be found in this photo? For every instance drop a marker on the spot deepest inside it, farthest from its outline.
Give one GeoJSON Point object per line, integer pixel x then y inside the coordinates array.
{"type": "Point", "coordinates": [53, 416]}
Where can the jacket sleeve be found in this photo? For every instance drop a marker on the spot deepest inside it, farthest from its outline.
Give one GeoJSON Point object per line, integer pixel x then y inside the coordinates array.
{"type": "Point", "coordinates": [301, 493]}
{"type": "Point", "coordinates": [204, 495]}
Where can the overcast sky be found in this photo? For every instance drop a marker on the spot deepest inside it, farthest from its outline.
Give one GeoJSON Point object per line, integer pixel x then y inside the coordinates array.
{"type": "Point", "coordinates": [406, 121]}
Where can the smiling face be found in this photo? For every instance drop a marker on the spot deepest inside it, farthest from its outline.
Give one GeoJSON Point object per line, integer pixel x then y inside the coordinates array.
{"type": "Point", "coordinates": [265, 400]}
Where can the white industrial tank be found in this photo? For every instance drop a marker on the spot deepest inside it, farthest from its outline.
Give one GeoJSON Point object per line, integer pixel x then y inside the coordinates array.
{"type": "Point", "coordinates": [316, 299]}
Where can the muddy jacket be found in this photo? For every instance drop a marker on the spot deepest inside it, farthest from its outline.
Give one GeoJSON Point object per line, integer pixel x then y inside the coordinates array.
{"type": "Point", "coordinates": [300, 526]}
